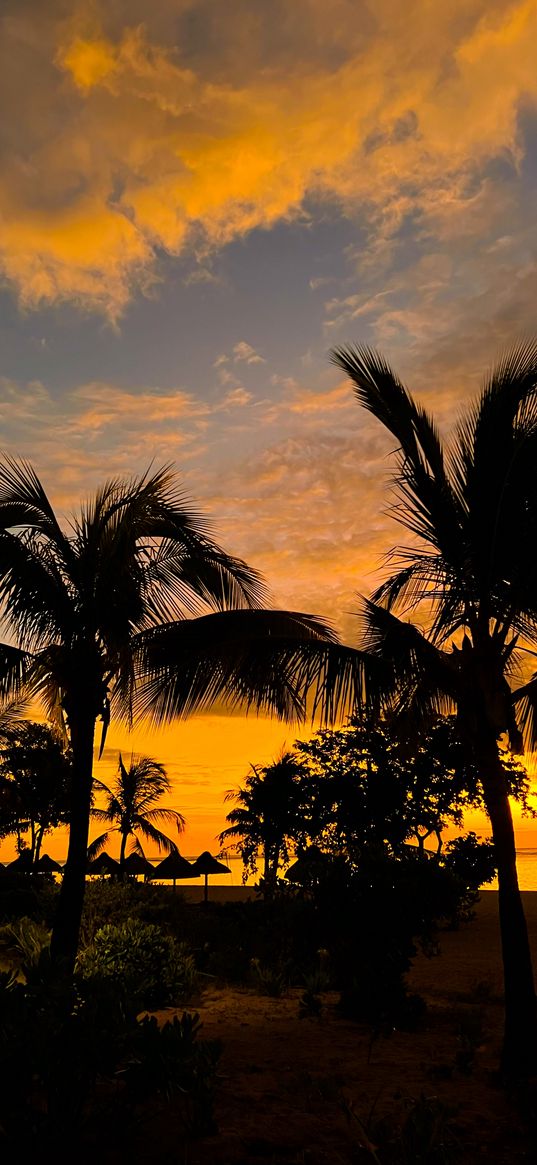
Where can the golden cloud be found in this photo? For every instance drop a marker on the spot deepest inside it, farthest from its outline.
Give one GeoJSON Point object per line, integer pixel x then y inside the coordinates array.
{"type": "Point", "coordinates": [132, 139]}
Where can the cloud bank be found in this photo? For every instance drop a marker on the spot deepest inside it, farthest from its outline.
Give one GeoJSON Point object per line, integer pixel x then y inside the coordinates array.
{"type": "Point", "coordinates": [182, 127]}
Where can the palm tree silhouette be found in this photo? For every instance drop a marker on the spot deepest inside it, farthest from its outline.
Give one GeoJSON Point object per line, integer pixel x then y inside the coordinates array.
{"type": "Point", "coordinates": [135, 611]}
{"type": "Point", "coordinates": [267, 812]}
{"type": "Point", "coordinates": [471, 568]}
{"type": "Point", "coordinates": [130, 809]}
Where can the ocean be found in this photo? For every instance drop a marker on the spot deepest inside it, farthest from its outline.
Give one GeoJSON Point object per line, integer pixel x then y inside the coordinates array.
{"type": "Point", "coordinates": [527, 870]}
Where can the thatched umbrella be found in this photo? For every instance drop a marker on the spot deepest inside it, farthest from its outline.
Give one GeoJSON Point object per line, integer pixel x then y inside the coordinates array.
{"type": "Point", "coordinates": [308, 868]}
{"type": "Point", "coordinates": [136, 864]}
{"type": "Point", "coordinates": [206, 865]}
{"type": "Point", "coordinates": [104, 864]}
{"type": "Point", "coordinates": [47, 865]}
{"type": "Point", "coordinates": [22, 864]}
{"type": "Point", "coordinates": [173, 867]}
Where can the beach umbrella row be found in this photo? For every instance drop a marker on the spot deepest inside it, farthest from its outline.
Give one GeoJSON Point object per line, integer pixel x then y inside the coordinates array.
{"type": "Point", "coordinates": [171, 869]}
{"type": "Point", "coordinates": [23, 864]}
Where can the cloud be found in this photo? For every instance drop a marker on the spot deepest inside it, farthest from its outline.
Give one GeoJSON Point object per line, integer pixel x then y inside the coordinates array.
{"type": "Point", "coordinates": [237, 397]}
{"type": "Point", "coordinates": [191, 129]}
{"type": "Point", "coordinates": [243, 352]}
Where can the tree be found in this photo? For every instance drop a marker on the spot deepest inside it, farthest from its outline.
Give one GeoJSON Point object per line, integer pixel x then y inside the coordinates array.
{"type": "Point", "coordinates": [375, 784]}
{"type": "Point", "coordinates": [130, 808]}
{"type": "Point", "coordinates": [266, 816]}
{"type": "Point", "coordinates": [470, 569]}
{"type": "Point", "coordinates": [134, 610]}
{"type": "Point", "coordinates": [35, 772]}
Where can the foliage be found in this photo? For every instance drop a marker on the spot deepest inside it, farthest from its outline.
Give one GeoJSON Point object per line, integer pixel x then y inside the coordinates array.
{"type": "Point", "coordinates": [130, 808]}
{"type": "Point", "coordinates": [375, 784]}
{"type": "Point", "coordinates": [153, 968]}
{"type": "Point", "coordinates": [35, 772]}
{"type": "Point", "coordinates": [78, 1062]}
{"type": "Point", "coordinates": [134, 610]}
{"type": "Point", "coordinates": [22, 943]}
{"type": "Point", "coordinates": [467, 576]}
{"type": "Point", "coordinates": [267, 816]}
{"type": "Point", "coordinates": [171, 1061]}
{"type": "Point", "coordinates": [269, 980]}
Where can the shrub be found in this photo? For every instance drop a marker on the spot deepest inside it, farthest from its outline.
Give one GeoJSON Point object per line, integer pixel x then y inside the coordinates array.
{"type": "Point", "coordinates": [22, 942]}
{"type": "Point", "coordinates": [152, 967]}
{"type": "Point", "coordinates": [77, 1063]}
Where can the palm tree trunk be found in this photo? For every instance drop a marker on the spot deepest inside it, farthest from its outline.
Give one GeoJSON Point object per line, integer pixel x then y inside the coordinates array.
{"type": "Point", "coordinates": [519, 1054]}
{"type": "Point", "coordinates": [65, 932]}
{"type": "Point", "coordinates": [38, 844]}
{"type": "Point", "coordinates": [124, 836]}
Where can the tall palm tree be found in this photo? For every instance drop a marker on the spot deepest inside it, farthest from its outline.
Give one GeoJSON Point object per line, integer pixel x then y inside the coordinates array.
{"type": "Point", "coordinates": [134, 610]}
{"type": "Point", "coordinates": [266, 814]}
{"type": "Point", "coordinates": [130, 808]}
{"type": "Point", "coordinates": [470, 569]}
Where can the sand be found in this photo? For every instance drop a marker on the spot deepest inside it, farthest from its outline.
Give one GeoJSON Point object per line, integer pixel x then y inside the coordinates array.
{"type": "Point", "coordinates": [320, 1091]}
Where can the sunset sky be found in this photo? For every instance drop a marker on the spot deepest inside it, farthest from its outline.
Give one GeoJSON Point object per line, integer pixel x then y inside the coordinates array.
{"type": "Point", "coordinates": [198, 198]}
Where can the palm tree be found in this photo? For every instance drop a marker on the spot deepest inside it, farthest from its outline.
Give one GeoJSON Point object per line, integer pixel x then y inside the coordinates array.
{"type": "Point", "coordinates": [134, 610]}
{"type": "Point", "coordinates": [267, 813]}
{"type": "Point", "coordinates": [470, 508]}
{"type": "Point", "coordinates": [130, 808]}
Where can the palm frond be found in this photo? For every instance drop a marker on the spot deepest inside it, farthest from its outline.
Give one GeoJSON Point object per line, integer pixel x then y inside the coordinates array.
{"type": "Point", "coordinates": [429, 507]}
{"type": "Point", "coordinates": [525, 705]}
{"type": "Point", "coordinates": [151, 833]}
{"type": "Point", "coordinates": [171, 816]}
{"type": "Point", "coordinates": [97, 845]}
{"type": "Point", "coordinates": [267, 660]}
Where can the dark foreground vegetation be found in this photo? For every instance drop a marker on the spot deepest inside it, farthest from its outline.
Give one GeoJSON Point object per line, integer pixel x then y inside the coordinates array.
{"type": "Point", "coordinates": [88, 1063]}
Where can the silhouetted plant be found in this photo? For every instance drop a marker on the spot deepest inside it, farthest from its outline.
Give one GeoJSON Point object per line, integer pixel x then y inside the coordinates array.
{"type": "Point", "coordinates": [470, 507]}
{"type": "Point", "coordinates": [130, 809]}
{"type": "Point", "coordinates": [152, 967]}
{"type": "Point", "coordinates": [134, 610]}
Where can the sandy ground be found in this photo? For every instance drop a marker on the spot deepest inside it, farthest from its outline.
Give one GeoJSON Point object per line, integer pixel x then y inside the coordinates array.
{"type": "Point", "coordinates": [320, 1091]}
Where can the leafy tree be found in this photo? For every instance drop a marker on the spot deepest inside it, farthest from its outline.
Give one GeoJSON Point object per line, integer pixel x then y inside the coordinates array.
{"type": "Point", "coordinates": [35, 772]}
{"type": "Point", "coordinates": [134, 610]}
{"type": "Point", "coordinates": [470, 572]}
{"type": "Point", "coordinates": [373, 785]}
{"type": "Point", "coordinates": [267, 814]}
{"type": "Point", "coordinates": [130, 808]}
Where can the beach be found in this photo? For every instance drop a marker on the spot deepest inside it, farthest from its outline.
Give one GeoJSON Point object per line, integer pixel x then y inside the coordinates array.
{"type": "Point", "coordinates": [323, 1090]}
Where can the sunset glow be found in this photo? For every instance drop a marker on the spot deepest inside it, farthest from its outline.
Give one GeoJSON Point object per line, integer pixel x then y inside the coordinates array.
{"type": "Point", "coordinates": [197, 200]}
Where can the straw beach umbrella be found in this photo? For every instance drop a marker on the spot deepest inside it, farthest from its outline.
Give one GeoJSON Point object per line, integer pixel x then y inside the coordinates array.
{"type": "Point", "coordinates": [174, 867]}
{"type": "Point", "coordinates": [47, 865]}
{"type": "Point", "coordinates": [22, 864]}
{"type": "Point", "coordinates": [206, 865]}
{"type": "Point", "coordinates": [308, 868]}
{"type": "Point", "coordinates": [104, 864]}
{"type": "Point", "coordinates": [136, 864]}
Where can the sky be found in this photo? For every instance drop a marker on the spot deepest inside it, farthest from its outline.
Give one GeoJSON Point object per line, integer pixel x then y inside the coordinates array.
{"type": "Point", "coordinates": [198, 199]}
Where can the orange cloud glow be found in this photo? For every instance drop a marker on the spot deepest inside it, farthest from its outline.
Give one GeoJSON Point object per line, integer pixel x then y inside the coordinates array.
{"type": "Point", "coordinates": [141, 148]}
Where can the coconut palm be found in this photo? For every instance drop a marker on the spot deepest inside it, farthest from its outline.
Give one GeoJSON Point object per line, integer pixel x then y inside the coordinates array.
{"type": "Point", "coordinates": [134, 610]}
{"type": "Point", "coordinates": [470, 569]}
{"type": "Point", "coordinates": [130, 809]}
{"type": "Point", "coordinates": [268, 811]}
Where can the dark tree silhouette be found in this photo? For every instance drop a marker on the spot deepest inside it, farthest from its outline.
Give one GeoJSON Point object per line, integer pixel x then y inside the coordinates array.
{"type": "Point", "coordinates": [267, 814]}
{"type": "Point", "coordinates": [35, 772]}
{"type": "Point", "coordinates": [470, 508]}
{"type": "Point", "coordinates": [374, 784]}
{"type": "Point", "coordinates": [134, 610]}
{"type": "Point", "coordinates": [130, 809]}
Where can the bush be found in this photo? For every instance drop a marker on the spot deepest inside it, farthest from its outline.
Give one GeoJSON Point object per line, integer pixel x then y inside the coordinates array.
{"type": "Point", "coordinates": [152, 967]}
{"type": "Point", "coordinates": [22, 942]}
{"type": "Point", "coordinates": [76, 1064]}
